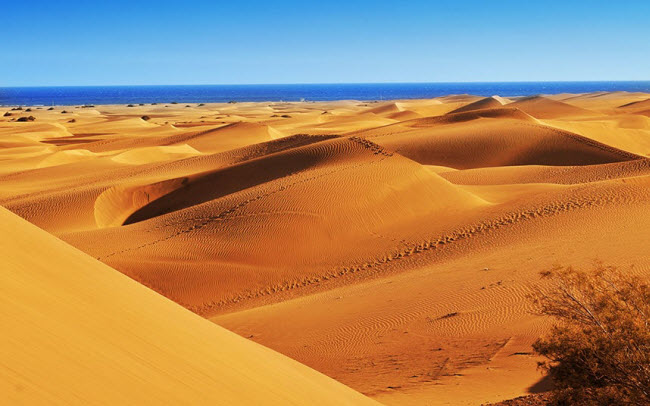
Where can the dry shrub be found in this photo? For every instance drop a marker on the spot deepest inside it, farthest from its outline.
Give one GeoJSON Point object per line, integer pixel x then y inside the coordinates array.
{"type": "Point", "coordinates": [599, 350]}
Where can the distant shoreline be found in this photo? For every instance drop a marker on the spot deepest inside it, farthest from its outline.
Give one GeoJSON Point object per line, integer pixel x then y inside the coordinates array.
{"type": "Point", "coordinates": [119, 95]}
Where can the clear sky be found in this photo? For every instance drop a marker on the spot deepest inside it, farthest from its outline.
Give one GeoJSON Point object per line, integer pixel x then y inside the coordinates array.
{"type": "Point", "coordinates": [223, 42]}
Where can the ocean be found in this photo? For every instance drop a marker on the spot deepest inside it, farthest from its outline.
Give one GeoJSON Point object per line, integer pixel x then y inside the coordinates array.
{"type": "Point", "coordinates": [79, 95]}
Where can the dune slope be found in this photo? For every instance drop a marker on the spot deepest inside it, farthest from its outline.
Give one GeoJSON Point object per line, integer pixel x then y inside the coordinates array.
{"type": "Point", "coordinates": [78, 332]}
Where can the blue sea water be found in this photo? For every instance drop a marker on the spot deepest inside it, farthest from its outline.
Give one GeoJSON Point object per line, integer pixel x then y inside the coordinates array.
{"type": "Point", "coordinates": [78, 95]}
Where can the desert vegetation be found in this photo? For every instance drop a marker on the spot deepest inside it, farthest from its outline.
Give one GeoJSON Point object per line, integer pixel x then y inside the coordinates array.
{"type": "Point", "coordinates": [599, 350]}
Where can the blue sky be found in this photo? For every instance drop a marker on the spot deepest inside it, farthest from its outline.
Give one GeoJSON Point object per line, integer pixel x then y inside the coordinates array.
{"type": "Point", "coordinates": [213, 42]}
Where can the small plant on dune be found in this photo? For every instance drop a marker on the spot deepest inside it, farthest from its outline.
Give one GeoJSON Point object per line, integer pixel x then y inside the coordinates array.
{"type": "Point", "coordinates": [7, 114]}
{"type": "Point", "coordinates": [599, 350]}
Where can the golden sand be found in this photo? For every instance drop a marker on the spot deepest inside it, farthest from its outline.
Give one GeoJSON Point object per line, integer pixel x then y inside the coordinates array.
{"type": "Point", "coordinates": [390, 246]}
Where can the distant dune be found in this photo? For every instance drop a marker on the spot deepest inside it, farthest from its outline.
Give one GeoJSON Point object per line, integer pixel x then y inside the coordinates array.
{"type": "Point", "coordinates": [542, 107]}
{"type": "Point", "coordinates": [390, 245]}
{"type": "Point", "coordinates": [487, 103]}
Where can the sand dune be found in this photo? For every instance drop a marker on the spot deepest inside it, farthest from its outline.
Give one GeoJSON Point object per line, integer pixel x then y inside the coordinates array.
{"type": "Point", "coordinates": [548, 174]}
{"type": "Point", "coordinates": [637, 105]}
{"type": "Point", "coordinates": [542, 107]}
{"type": "Point", "coordinates": [459, 117]}
{"type": "Point", "coordinates": [404, 115]}
{"type": "Point", "coordinates": [78, 332]}
{"type": "Point", "coordinates": [486, 103]}
{"type": "Point", "coordinates": [487, 142]}
{"type": "Point", "coordinates": [139, 156]}
{"type": "Point", "coordinates": [629, 132]}
{"type": "Point", "coordinates": [297, 192]}
{"type": "Point", "coordinates": [389, 245]}
{"type": "Point", "coordinates": [388, 108]}
{"type": "Point", "coordinates": [66, 157]}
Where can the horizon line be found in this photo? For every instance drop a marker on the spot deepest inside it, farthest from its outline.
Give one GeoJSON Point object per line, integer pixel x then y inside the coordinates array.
{"type": "Point", "coordinates": [337, 83]}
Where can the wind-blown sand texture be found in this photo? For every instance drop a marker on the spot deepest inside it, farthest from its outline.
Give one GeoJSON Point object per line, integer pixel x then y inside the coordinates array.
{"type": "Point", "coordinates": [388, 245]}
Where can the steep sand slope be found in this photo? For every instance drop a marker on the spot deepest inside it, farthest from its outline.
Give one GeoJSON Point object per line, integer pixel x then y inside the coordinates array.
{"type": "Point", "coordinates": [77, 332]}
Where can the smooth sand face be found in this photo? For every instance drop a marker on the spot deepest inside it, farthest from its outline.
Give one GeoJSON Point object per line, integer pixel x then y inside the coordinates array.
{"type": "Point", "coordinates": [78, 332]}
{"type": "Point", "coordinates": [390, 246]}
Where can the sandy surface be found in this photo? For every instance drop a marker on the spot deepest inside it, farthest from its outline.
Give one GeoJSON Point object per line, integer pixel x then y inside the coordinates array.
{"type": "Point", "coordinates": [390, 246]}
{"type": "Point", "coordinates": [78, 332]}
